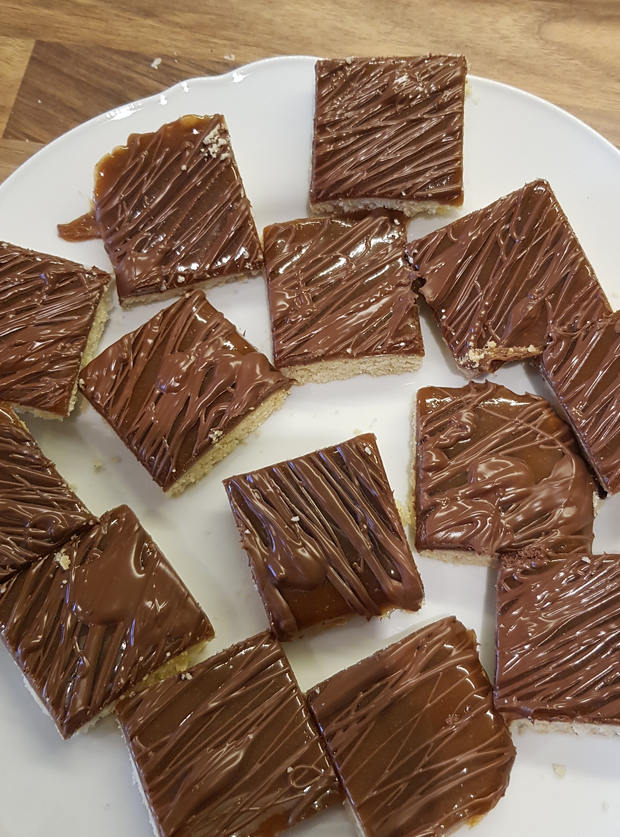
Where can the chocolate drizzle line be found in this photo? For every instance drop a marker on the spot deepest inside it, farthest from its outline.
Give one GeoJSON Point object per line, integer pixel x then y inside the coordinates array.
{"type": "Point", "coordinates": [413, 736]}
{"type": "Point", "coordinates": [172, 211]}
{"type": "Point", "coordinates": [583, 369]}
{"type": "Point", "coordinates": [174, 386]}
{"type": "Point", "coordinates": [47, 308]}
{"type": "Point", "coordinates": [500, 279]}
{"type": "Point", "coordinates": [340, 288]}
{"type": "Point", "coordinates": [38, 511]}
{"type": "Point", "coordinates": [232, 749]}
{"type": "Point", "coordinates": [389, 128]}
{"type": "Point", "coordinates": [86, 624]}
{"type": "Point", "coordinates": [497, 471]}
{"type": "Point", "coordinates": [324, 537]}
{"type": "Point", "coordinates": [558, 639]}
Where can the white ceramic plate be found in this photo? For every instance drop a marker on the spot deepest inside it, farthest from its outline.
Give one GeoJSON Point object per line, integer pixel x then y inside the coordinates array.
{"type": "Point", "coordinates": [84, 787]}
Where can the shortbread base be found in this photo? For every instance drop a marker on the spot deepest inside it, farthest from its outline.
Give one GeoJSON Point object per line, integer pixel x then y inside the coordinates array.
{"type": "Point", "coordinates": [410, 208]}
{"type": "Point", "coordinates": [180, 290]}
{"type": "Point", "coordinates": [323, 371]}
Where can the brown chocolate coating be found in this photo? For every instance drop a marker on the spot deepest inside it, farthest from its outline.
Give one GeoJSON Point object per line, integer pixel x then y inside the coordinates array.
{"type": "Point", "coordinates": [389, 128]}
{"type": "Point", "coordinates": [174, 386]}
{"type": "Point", "coordinates": [340, 288]}
{"type": "Point", "coordinates": [324, 538]}
{"type": "Point", "coordinates": [172, 211]}
{"type": "Point", "coordinates": [499, 279]}
{"type": "Point", "coordinates": [229, 747]}
{"type": "Point", "coordinates": [497, 472]}
{"type": "Point", "coordinates": [558, 638]}
{"type": "Point", "coordinates": [47, 308]}
{"type": "Point", "coordinates": [85, 634]}
{"type": "Point", "coordinates": [583, 370]}
{"type": "Point", "coordinates": [412, 733]}
{"type": "Point", "coordinates": [38, 510]}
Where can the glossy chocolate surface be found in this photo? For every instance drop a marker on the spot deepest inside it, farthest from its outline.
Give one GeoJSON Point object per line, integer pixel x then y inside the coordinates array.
{"type": "Point", "coordinates": [558, 639]}
{"type": "Point", "coordinates": [340, 288]}
{"type": "Point", "coordinates": [38, 510]}
{"type": "Point", "coordinates": [229, 747]}
{"type": "Point", "coordinates": [389, 128]}
{"type": "Point", "coordinates": [47, 308]}
{"type": "Point", "coordinates": [174, 386]}
{"type": "Point", "coordinates": [497, 471]}
{"type": "Point", "coordinates": [92, 620]}
{"type": "Point", "coordinates": [499, 279]}
{"type": "Point", "coordinates": [172, 211]}
{"type": "Point", "coordinates": [324, 537]}
{"type": "Point", "coordinates": [583, 369]}
{"type": "Point", "coordinates": [413, 735]}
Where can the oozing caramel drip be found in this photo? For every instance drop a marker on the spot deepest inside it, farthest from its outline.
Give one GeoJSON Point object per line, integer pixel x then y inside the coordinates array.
{"type": "Point", "coordinates": [499, 279]}
{"type": "Point", "coordinates": [389, 128]}
{"type": "Point", "coordinates": [558, 635]}
{"type": "Point", "coordinates": [324, 537]}
{"type": "Point", "coordinates": [83, 228]}
{"type": "Point", "coordinates": [340, 288]}
{"type": "Point", "coordinates": [89, 622]}
{"type": "Point", "coordinates": [496, 471]}
{"type": "Point", "coordinates": [172, 211]}
{"type": "Point", "coordinates": [38, 510]}
{"type": "Point", "coordinates": [47, 307]}
{"type": "Point", "coordinates": [583, 369]}
{"type": "Point", "coordinates": [232, 749]}
{"type": "Point", "coordinates": [413, 736]}
{"type": "Point", "coordinates": [174, 386]}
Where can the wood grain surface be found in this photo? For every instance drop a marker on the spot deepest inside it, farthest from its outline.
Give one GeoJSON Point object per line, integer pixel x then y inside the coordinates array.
{"type": "Point", "coordinates": [63, 61]}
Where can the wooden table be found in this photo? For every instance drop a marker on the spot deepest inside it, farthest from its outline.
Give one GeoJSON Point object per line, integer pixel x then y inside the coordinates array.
{"type": "Point", "coordinates": [62, 62]}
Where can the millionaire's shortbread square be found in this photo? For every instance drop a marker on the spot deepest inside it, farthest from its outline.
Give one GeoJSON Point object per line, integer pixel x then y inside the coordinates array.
{"type": "Point", "coordinates": [324, 538]}
{"type": "Point", "coordinates": [89, 622]}
{"type": "Point", "coordinates": [388, 132]}
{"type": "Point", "coordinates": [52, 315]}
{"type": "Point", "coordinates": [413, 736]}
{"type": "Point", "coordinates": [341, 297]}
{"type": "Point", "coordinates": [183, 390]}
{"type": "Point", "coordinates": [500, 279]}
{"type": "Point", "coordinates": [228, 747]}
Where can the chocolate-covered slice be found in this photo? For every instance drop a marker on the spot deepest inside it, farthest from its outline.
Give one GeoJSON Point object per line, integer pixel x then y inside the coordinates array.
{"type": "Point", "coordinates": [229, 747]}
{"type": "Point", "coordinates": [92, 620]}
{"type": "Point", "coordinates": [388, 132]}
{"type": "Point", "coordinates": [497, 472]}
{"type": "Point", "coordinates": [499, 279]}
{"type": "Point", "coordinates": [341, 297]}
{"type": "Point", "coordinates": [583, 370]}
{"type": "Point", "coordinates": [38, 510]}
{"type": "Point", "coordinates": [324, 538]}
{"type": "Point", "coordinates": [183, 390]}
{"type": "Point", "coordinates": [172, 211]}
{"type": "Point", "coordinates": [558, 639]}
{"type": "Point", "coordinates": [413, 736]}
{"type": "Point", "coordinates": [52, 315]}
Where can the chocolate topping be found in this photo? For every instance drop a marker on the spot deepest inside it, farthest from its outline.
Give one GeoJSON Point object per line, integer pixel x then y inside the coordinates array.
{"type": "Point", "coordinates": [89, 622]}
{"type": "Point", "coordinates": [413, 736]}
{"type": "Point", "coordinates": [496, 472]}
{"type": "Point", "coordinates": [558, 639]}
{"type": "Point", "coordinates": [172, 211]}
{"type": "Point", "coordinates": [47, 308]}
{"type": "Point", "coordinates": [324, 537]}
{"type": "Point", "coordinates": [499, 279]}
{"type": "Point", "coordinates": [340, 288]}
{"type": "Point", "coordinates": [389, 128]}
{"type": "Point", "coordinates": [232, 749]}
{"type": "Point", "coordinates": [38, 511]}
{"type": "Point", "coordinates": [583, 369]}
{"type": "Point", "coordinates": [174, 386]}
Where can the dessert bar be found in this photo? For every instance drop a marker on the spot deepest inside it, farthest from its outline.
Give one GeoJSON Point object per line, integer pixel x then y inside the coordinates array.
{"type": "Point", "coordinates": [413, 736]}
{"type": "Point", "coordinates": [183, 390]}
{"type": "Point", "coordinates": [324, 538]}
{"type": "Point", "coordinates": [341, 297]}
